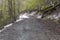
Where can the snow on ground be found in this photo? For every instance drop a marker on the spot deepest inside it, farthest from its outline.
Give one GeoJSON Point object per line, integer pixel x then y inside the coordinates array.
{"type": "Point", "coordinates": [21, 17]}
{"type": "Point", "coordinates": [27, 15]}
{"type": "Point", "coordinates": [54, 16]}
{"type": "Point", "coordinates": [33, 13]}
{"type": "Point", "coordinates": [6, 26]}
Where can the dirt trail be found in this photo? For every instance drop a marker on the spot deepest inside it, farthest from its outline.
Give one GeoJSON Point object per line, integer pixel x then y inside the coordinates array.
{"type": "Point", "coordinates": [31, 29]}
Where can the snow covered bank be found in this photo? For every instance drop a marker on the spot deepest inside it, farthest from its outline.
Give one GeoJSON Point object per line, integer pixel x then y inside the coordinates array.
{"type": "Point", "coordinates": [21, 17]}
{"type": "Point", "coordinates": [28, 15]}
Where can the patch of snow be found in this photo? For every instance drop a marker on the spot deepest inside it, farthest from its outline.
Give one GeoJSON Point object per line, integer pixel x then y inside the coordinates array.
{"type": "Point", "coordinates": [55, 16]}
{"type": "Point", "coordinates": [32, 13]}
{"type": "Point", "coordinates": [21, 17]}
{"type": "Point", "coordinates": [19, 20]}
{"type": "Point", "coordinates": [39, 16]}
{"type": "Point", "coordinates": [24, 16]}
{"type": "Point", "coordinates": [6, 27]}
{"type": "Point", "coordinates": [2, 30]}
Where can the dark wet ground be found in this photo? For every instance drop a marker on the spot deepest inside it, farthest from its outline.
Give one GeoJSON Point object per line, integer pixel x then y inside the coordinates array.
{"type": "Point", "coordinates": [32, 29]}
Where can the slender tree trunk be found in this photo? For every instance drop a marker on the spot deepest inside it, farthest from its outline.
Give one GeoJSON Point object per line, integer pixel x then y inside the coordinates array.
{"type": "Point", "coordinates": [14, 11]}
{"type": "Point", "coordinates": [10, 9]}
